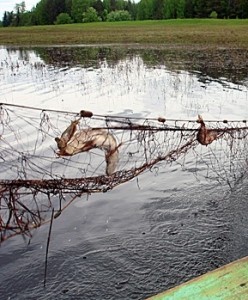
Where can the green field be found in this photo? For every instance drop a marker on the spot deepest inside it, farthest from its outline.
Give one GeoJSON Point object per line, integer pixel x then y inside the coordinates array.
{"type": "Point", "coordinates": [174, 33]}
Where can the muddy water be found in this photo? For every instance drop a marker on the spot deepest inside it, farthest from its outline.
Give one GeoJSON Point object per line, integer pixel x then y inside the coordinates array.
{"type": "Point", "coordinates": [149, 234]}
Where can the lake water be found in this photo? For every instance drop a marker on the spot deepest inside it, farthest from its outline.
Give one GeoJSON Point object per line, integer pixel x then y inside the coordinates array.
{"type": "Point", "coordinates": [149, 234]}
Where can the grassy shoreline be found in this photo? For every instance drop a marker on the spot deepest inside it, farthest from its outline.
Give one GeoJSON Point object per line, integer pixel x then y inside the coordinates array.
{"type": "Point", "coordinates": [195, 33]}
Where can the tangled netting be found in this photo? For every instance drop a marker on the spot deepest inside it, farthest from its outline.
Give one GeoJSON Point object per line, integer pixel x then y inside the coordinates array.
{"type": "Point", "coordinates": [49, 158]}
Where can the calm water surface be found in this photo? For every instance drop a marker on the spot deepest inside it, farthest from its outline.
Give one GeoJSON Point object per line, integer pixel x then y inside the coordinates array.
{"type": "Point", "coordinates": [149, 234]}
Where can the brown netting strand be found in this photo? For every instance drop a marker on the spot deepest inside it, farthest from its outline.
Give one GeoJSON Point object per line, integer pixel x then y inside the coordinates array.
{"type": "Point", "coordinates": [49, 158]}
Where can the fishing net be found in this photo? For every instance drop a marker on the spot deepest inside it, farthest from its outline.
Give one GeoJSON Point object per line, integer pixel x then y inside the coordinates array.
{"type": "Point", "coordinates": [49, 158]}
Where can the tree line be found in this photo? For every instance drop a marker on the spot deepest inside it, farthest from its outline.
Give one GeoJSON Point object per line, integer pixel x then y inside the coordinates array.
{"type": "Point", "coordinates": [48, 12]}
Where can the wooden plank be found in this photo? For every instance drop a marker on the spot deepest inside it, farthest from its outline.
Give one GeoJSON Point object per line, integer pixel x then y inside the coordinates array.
{"type": "Point", "coordinates": [226, 283]}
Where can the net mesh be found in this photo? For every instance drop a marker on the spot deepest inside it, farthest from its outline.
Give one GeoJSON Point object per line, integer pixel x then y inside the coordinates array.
{"type": "Point", "coordinates": [38, 175]}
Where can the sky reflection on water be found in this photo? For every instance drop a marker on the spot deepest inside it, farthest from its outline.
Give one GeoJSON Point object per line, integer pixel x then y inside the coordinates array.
{"type": "Point", "coordinates": [117, 82]}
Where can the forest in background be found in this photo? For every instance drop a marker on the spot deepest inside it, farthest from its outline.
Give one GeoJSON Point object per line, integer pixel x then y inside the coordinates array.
{"type": "Point", "coordinates": [48, 12]}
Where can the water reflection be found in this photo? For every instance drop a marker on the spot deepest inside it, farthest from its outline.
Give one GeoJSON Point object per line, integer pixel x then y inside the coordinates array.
{"type": "Point", "coordinates": [146, 81]}
{"type": "Point", "coordinates": [228, 64]}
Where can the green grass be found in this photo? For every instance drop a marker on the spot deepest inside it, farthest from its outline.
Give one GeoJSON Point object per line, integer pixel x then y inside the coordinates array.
{"type": "Point", "coordinates": [184, 32]}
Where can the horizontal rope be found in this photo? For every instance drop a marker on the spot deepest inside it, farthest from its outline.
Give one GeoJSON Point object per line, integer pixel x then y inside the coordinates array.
{"type": "Point", "coordinates": [159, 119]}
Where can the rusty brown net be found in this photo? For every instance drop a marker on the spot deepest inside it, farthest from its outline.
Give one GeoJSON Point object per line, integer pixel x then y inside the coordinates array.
{"type": "Point", "coordinates": [49, 158]}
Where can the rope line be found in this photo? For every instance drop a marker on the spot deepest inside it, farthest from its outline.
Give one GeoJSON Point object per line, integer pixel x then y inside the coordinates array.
{"type": "Point", "coordinates": [159, 119]}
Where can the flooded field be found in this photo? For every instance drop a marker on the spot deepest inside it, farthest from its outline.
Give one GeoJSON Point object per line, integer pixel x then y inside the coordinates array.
{"type": "Point", "coordinates": [158, 230]}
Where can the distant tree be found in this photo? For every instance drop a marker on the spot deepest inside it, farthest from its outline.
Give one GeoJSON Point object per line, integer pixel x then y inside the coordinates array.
{"type": "Point", "coordinates": [223, 12]}
{"type": "Point", "coordinates": [50, 15]}
{"type": "Point", "coordinates": [11, 17]}
{"type": "Point", "coordinates": [189, 8]}
{"type": "Point", "coordinates": [180, 8]}
{"type": "Point", "coordinates": [213, 15]}
{"type": "Point", "coordinates": [54, 8]}
{"type": "Point", "coordinates": [17, 18]}
{"type": "Point", "coordinates": [243, 9]}
{"type": "Point", "coordinates": [26, 19]}
{"type": "Point", "coordinates": [8, 18]}
{"type": "Point", "coordinates": [215, 5]}
{"type": "Point", "coordinates": [63, 18]}
{"type": "Point", "coordinates": [111, 17]}
{"type": "Point", "coordinates": [104, 15]}
{"type": "Point", "coordinates": [52, 11]}
{"type": "Point", "coordinates": [59, 7]}
{"type": "Point", "coordinates": [46, 11]}
{"type": "Point", "coordinates": [90, 15]}
{"type": "Point", "coordinates": [5, 22]}
{"type": "Point", "coordinates": [201, 9]}
{"type": "Point", "coordinates": [40, 11]}
{"type": "Point", "coordinates": [121, 5]}
{"type": "Point", "coordinates": [68, 5]}
{"type": "Point", "coordinates": [144, 10]}
{"type": "Point", "coordinates": [99, 7]}
{"type": "Point", "coordinates": [131, 7]}
{"type": "Point", "coordinates": [112, 5]}
{"type": "Point", "coordinates": [170, 9]}
{"type": "Point", "coordinates": [118, 15]}
{"type": "Point", "coordinates": [158, 9]}
{"type": "Point", "coordinates": [78, 8]}
{"type": "Point", "coordinates": [233, 9]}
{"type": "Point", "coordinates": [21, 7]}
{"type": "Point", "coordinates": [106, 5]}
